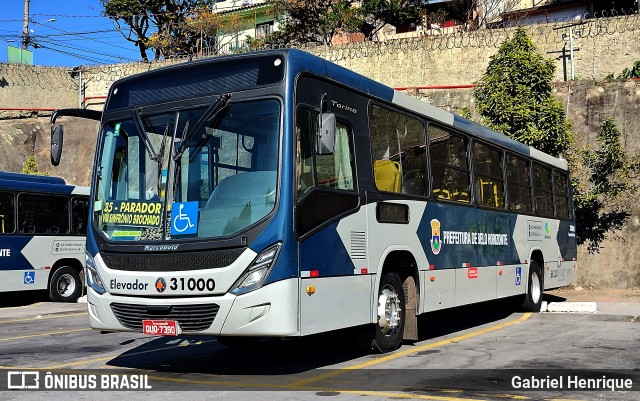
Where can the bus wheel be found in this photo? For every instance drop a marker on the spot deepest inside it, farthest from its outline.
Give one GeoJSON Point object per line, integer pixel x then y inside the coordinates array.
{"type": "Point", "coordinates": [391, 313]}
{"type": "Point", "coordinates": [533, 297]}
{"type": "Point", "coordinates": [65, 285]}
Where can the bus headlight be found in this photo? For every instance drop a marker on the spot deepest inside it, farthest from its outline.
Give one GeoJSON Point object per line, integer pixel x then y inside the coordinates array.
{"type": "Point", "coordinates": [93, 278]}
{"type": "Point", "coordinates": [256, 274]}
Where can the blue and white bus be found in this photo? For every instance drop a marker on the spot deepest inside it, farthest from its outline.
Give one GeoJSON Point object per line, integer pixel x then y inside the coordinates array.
{"type": "Point", "coordinates": [275, 194]}
{"type": "Point", "coordinates": [43, 223]}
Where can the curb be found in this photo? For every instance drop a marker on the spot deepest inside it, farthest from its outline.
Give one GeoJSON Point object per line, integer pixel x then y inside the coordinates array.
{"type": "Point", "coordinates": [569, 307]}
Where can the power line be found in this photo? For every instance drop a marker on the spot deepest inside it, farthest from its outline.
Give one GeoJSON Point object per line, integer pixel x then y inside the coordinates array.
{"type": "Point", "coordinates": [93, 60]}
{"type": "Point", "coordinates": [83, 50]}
{"type": "Point", "coordinates": [80, 35]}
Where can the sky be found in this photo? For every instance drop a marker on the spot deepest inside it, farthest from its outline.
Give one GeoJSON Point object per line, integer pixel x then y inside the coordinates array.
{"type": "Point", "coordinates": [69, 32]}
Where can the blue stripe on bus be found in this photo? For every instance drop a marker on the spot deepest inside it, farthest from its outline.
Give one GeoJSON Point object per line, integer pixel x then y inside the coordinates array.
{"type": "Point", "coordinates": [16, 261]}
{"type": "Point", "coordinates": [464, 220]}
{"type": "Point", "coordinates": [324, 251]}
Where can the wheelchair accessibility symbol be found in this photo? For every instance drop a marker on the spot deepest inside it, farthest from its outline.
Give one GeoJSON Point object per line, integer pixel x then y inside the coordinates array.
{"type": "Point", "coordinates": [29, 277]}
{"type": "Point", "coordinates": [518, 275]}
{"type": "Point", "coordinates": [184, 218]}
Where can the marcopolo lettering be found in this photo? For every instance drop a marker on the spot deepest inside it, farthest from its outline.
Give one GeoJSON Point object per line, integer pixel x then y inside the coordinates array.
{"type": "Point", "coordinates": [161, 247]}
{"type": "Point", "coordinates": [136, 285]}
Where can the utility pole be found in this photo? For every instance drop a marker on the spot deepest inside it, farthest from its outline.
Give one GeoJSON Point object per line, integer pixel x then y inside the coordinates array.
{"type": "Point", "coordinates": [25, 26]}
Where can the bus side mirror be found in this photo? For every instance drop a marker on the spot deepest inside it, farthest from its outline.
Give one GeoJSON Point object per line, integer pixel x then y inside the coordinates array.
{"type": "Point", "coordinates": [57, 134]}
{"type": "Point", "coordinates": [326, 140]}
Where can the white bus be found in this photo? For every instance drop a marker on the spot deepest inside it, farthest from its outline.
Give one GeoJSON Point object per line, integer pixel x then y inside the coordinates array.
{"type": "Point", "coordinates": [43, 223]}
{"type": "Point", "coordinates": [275, 194]}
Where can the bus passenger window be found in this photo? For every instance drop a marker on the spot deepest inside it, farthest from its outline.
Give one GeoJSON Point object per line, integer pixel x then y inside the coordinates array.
{"type": "Point", "coordinates": [43, 214]}
{"type": "Point", "coordinates": [7, 212]}
{"type": "Point", "coordinates": [518, 185]}
{"type": "Point", "coordinates": [449, 167]}
{"type": "Point", "coordinates": [398, 148]}
{"type": "Point", "coordinates": [487, 170]}
{"type": "Point", "coordinates": [543, 190]}
{"type": "Point", "coordinates": [560, 184]}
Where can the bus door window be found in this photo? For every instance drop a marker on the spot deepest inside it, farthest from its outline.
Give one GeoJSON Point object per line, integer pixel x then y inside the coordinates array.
{"type": "Point", "coordinates": [518, 185]}
{"type": "Point", "coordinates": [79, 215]}
{"type": "Point", "coordinates": [307, 126]}
{"type": "Point", "coordinates": [7, 212]}
{"type": "Point", "coordinates": [43, 214]}
{"type": "Point", "coordinates": [331, 171]}
{"type": "Point", "coordinates": [487, 171]}
{"type": "Point", "coordinates": [449, 167]}
{"type": "Point", "coordinates": [543, 190]}
{"type": "Point", "coordinates": [399, 152]}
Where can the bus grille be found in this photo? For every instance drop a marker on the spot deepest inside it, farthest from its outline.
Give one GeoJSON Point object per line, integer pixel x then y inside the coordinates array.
{"type": "Point", "coordinates": [174, 262]}
{"type": "Point", "coordinates": [190, 317]}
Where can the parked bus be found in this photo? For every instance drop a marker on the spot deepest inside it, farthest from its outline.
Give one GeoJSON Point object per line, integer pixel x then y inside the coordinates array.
{"type": "Point", "coordinates": [275, 194]}
{"type": "Point", "coordinates": [43, 223]}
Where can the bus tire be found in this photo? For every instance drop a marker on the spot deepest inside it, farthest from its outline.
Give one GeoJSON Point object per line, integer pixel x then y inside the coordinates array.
{"type": "Point", "coordinates": [65, 285]}
{"type": "Point", "coordinates": [391, 314]}
{"type": "Point", "coordinates": [535, 286]}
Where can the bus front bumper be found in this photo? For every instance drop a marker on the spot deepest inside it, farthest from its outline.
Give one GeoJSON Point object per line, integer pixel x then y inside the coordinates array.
{"type": "Point", "coordinates": [270, 311]}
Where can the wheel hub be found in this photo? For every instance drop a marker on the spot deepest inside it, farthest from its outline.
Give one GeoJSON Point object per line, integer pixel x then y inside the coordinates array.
{"type": "Point", "coordinates": [536, 288]}
{"type": "Point", "coordinates": [388, 311]}
{"type": "Point", "coordinates": [66, 285]}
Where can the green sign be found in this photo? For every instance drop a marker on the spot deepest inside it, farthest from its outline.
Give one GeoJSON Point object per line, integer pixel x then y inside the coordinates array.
{"type": "Point", "coordinates": [16, 55]}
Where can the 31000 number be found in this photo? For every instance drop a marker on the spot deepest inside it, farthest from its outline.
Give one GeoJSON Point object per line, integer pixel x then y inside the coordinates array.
{"type": "Point", "coordinates": [192, 284]}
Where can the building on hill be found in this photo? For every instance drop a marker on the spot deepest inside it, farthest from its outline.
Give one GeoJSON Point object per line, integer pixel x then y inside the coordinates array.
{"type": "Point", "coordinates": [248, 19]}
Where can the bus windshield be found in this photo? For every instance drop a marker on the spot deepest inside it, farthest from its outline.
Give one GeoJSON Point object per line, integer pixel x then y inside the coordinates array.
{"type": "Point", "coordinates": [200, 172]}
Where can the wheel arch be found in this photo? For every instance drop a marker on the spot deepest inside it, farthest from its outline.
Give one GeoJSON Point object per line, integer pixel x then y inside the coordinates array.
{"type": "Point", "coordinates": [404, 263]}
{"type": "Point", "coordinates": [70, 262]}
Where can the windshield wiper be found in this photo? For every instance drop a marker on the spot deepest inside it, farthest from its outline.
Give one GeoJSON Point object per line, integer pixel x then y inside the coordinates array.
{"type": "Point", "coordinates": [209, 114]}
{"type": "Point", "coordinates": [143, 133]}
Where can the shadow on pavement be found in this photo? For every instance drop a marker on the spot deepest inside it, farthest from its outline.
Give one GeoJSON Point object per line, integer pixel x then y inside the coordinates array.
{"type": "Point", "coordinates": [22, 298]}
{"type": "Point", "coordinates": [204, 355]}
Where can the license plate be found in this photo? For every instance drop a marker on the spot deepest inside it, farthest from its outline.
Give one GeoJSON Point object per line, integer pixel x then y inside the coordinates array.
{"type": "Point", "coordinates": [160, 327]}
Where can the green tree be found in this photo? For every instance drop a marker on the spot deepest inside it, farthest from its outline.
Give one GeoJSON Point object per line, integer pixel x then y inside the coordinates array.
{"type": "Point", "coordinates": [378, 13]}
{"type": "Point", "coordinates": [633, 72]}
{"type": "Point", "coordinates": [31, 167]}
{"type": "Point", "coordinates": [159, 25]}
{"type": "Point", "coordinates": [313, 21]}
{"type": "Point", "coordinates": [604, 179]}
{"type": "Point", "coordinates": [317, 21]}
{"type": "Point", "coordinates": [515, 97]}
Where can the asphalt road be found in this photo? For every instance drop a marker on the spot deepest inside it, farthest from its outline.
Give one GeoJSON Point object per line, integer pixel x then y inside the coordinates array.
{"type": "Point", "coordinates": [483, 352]}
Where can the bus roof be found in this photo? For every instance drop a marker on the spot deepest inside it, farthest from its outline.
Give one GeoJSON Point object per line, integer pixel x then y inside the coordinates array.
{"type": "Point", "coordinates": [39, 183]}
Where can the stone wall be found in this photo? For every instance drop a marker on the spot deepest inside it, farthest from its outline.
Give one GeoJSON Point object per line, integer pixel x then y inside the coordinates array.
{"type": "Point", "coordinates": [603, 46]}
{"type": "Point", "coordinates": [36, 88]}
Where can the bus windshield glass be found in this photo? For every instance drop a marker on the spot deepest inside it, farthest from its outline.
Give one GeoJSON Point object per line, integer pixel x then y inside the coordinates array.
{"type": "Point", "coordinates": [202, 172]}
